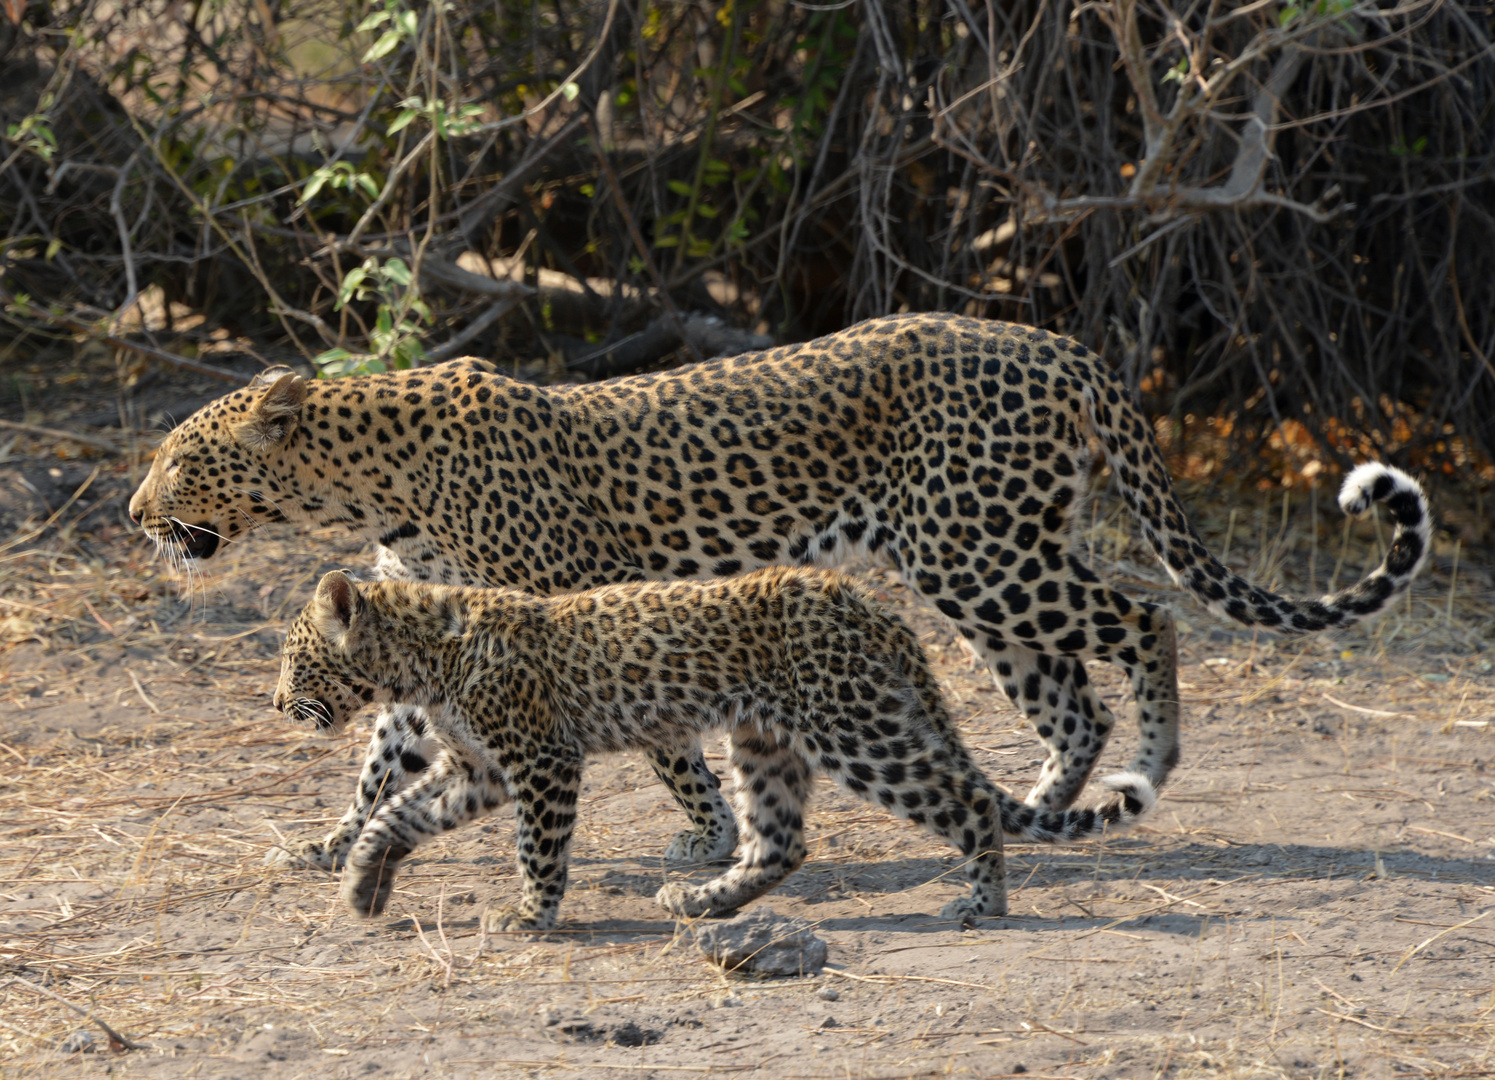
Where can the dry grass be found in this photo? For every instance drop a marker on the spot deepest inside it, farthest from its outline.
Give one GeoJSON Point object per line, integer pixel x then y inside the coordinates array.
{"type": "Point", "coordinates": [1315, 896]}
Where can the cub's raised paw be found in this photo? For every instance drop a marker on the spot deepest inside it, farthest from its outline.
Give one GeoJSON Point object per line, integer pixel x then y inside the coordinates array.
{"type": "Point", "coordinates": [507, 919]}
{"type": "Point", "coordinates": [691, 847]}
{"type": "Point", "coordinates": [968, 907]}
{"type": "Point", "coordinates": [366, 891]}
{"type": "Point", "coordinates": [308, 854]}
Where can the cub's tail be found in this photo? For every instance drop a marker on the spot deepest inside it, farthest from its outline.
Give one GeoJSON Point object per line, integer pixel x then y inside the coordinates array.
{"type": "Point", "coordinates": [1133, 454]}
{"type": "Point", "coordinates": [1134, 798]}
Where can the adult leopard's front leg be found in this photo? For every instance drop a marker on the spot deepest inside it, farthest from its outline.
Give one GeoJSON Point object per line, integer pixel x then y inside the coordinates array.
{"type": "Point", "coordinates": [773, 784]}
{"type": "Point", "coordinates": [397, 752]}
{"type": "Point", "coordinates": [697, 791]}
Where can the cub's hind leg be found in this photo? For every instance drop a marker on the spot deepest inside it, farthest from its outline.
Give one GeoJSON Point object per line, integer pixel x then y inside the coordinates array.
{"type": "Point", "coordinates": [910, 760]}
{"type": "Point", "coordinates": [773, 785]}
{"type": "Point", "coordinates": [398, 750]}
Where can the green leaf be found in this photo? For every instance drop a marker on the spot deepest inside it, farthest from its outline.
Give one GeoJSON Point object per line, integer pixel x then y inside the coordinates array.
{"type": "Point", "coordinates": [351, 283]}
{"type": "Point", "coordinates": [667, 241]}
{"type": "Point", "coordinates": [402, 121]}
{"type": "Point", "coordinates": [388, 42]}
{"type": "Point", "coordinates": [569, 91]}
{"type": "Point", "coordinates": [679, 187]}
{"type": "Point", "coordinates": [398, 272]}
{"type": "Point", "coordinates": [377, 19]}
{"type": "Point", "coordinates": [331, 356]}
{"type": "Point", "coordinates": [365, 181]}
{"type": "Point", "coordinates": [314, 185]}
{"type": "Point", "coordinates": [408, 23]}
{"type": "Point", "coordinates": [55, 245]}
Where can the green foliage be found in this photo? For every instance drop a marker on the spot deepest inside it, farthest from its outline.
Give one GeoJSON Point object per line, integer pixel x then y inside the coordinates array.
{"type": "Point", "coordinates": [399, 320]}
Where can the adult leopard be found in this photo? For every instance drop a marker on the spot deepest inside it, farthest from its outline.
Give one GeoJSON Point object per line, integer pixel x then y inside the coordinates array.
{"type": "Point", "coordinates": [959, 447]}
{"type": "Point", "coordinates": [798, 665]}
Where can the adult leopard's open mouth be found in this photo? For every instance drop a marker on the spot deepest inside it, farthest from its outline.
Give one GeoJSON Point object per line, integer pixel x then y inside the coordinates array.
{"type": "Point", "coordinates": [196, 541]}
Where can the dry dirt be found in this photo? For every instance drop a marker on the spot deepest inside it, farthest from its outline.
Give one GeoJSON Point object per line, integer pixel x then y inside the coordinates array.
{"type": "Point", "coordinates": [1314, 897]}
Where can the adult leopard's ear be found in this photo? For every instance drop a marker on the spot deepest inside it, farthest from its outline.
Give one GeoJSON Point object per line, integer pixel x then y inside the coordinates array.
{"type": "Point", "coordinates": [338, 609]}
{"type": "Point", "coordinates": [270, 376]}
{"type": "Point", "coordinates": [274, 414]}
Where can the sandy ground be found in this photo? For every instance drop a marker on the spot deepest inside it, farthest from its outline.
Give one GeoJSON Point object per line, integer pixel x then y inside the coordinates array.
{"type": "Point", "coordinates": [1315, 895]}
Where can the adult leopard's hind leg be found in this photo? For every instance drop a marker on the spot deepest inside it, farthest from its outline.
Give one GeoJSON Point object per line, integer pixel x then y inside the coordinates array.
{"type": "Point", "coordinates": [1058, 700]}
{"type": "Point", "coordinates": [713, 832]}
{"type": "Point", "coordinates": [773, 785]}
{"type": "Point", "coordinates": [397, 751]}
{"type": "Point", "coordinates": [1095, 622]}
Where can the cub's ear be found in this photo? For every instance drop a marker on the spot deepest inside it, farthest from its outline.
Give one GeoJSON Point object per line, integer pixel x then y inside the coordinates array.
{"type": "Point", "coordinates": [272, 417]}
{"type": "Point", "coordinates": [338, 610]}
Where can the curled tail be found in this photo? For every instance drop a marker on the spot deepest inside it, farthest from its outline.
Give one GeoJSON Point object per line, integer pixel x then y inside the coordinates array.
{"type": "Point", "coordinates": [1133, 454]}
{"type": "Point", "coordinates": [1134, 799]}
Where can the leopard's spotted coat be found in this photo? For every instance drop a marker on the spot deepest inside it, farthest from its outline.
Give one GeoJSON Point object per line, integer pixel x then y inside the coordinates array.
{"type": "Point", "coordinates": [961, 448]}
{"type": "Point", "coordinates": [804, 672]}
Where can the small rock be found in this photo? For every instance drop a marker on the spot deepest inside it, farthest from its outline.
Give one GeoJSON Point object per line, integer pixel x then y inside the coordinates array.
{"type": "Point", "coordinates": [79, 1042]}
{"type": "Point", "coordinates": [830, 1022]}
{"type": "Point", "coordinates": [578, 1027]}
{"type": "Point", "coordinates": [762, 942]}
{"type": "Point", "coordinates": [630, 1034]}
{"type": "Point", "coordinates": [828, 993]}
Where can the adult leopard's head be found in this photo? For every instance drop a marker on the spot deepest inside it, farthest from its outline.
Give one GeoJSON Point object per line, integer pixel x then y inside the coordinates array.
{"type": "Point", "coordinates": [320, 659]}
{"type": "Point", "coordinates": [214, 477]}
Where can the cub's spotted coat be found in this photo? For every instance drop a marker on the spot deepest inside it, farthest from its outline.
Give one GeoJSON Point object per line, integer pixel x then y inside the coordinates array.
{"type": "Point", "coordinates": [803, 671]}
{"type": "Point", "coordinates": [961, 448]}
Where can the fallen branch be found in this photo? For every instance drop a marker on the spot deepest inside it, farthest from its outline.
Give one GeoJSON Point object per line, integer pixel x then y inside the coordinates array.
{"type": "Point", "coordinates": [116, 1040]}
{"type": "Point", "coordinates": [706, 335]}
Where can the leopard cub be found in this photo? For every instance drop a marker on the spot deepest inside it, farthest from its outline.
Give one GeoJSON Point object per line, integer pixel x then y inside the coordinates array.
{"type": "Point", "coordinates": [802, 669]}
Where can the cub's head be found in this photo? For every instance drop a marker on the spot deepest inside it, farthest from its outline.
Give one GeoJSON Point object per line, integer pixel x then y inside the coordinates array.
{"type": "Point", "coordinates": [320, 660]}
{"type": "Point", "coordinates": [213, 478]}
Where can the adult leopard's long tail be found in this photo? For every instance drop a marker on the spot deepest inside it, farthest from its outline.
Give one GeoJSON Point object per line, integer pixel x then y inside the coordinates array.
{"type": "Point", "coordinates": [1132, 451]}
{"type": "Point", "coordinates": [1135, 797]}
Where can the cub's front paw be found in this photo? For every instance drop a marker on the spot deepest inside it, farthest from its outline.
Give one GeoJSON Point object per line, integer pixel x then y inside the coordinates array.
{"type": "Point", "coordinates": [366, 889]}
{"type": "Point", "coordinates": [687, 901]}
{"type": "Point", "coordinates": [970, 907]}
{"type": "Point", "coordinates": [497, 920]}
{"type": "Point", "coordinates": [308, 854]}
{"type": "Point", "coordinates": [691, 847]}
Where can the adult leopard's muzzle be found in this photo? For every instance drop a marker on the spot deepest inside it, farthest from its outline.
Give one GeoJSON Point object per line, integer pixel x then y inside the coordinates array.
{"type": "Point", "coordinates": [196, 541]}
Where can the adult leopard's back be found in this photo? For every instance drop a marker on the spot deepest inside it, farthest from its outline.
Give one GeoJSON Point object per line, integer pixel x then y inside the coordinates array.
{"type": "Point", "coordinates": [960, 447]}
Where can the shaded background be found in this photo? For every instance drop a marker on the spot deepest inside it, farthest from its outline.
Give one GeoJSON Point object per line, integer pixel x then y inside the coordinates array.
{"type": "Point", "coordinates": [1274, 218]}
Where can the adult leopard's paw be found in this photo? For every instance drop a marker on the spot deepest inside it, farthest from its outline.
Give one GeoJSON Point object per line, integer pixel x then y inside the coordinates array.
{"type": "Point", "coordinates": [692, 847]}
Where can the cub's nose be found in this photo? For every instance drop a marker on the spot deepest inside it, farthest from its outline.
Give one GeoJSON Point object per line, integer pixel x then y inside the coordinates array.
{"type": "Point", "coordinates": [279, 701]}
